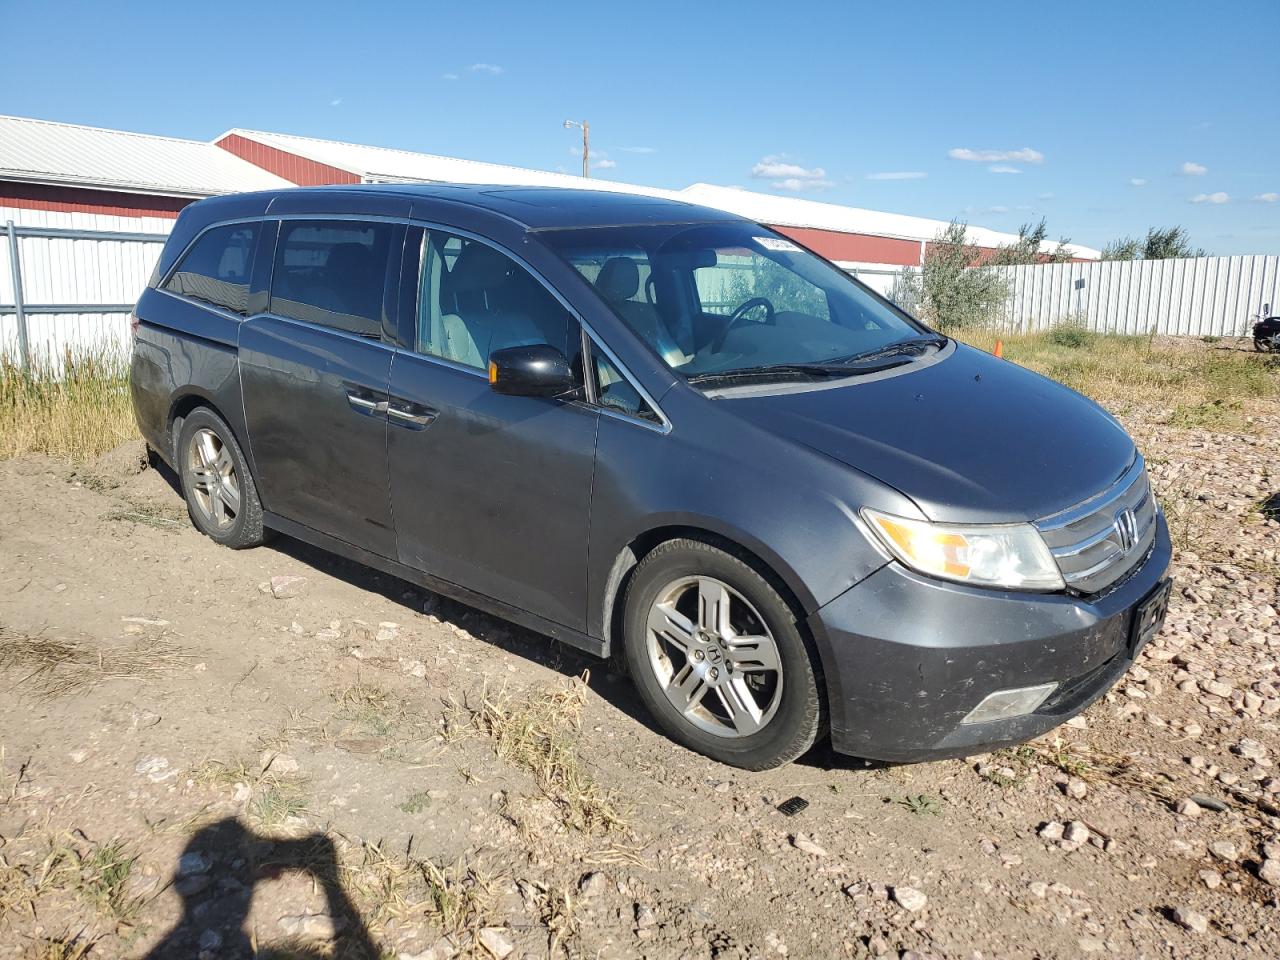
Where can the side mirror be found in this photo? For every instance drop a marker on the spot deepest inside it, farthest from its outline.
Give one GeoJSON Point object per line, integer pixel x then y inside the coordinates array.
{"type": "Point", "coordinates": [538, 370]}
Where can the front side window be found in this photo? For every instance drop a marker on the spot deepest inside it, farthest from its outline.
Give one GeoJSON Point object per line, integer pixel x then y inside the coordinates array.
{"type": "Point", "coordinates": [474, 299]}
{"type": "Point", "coordinates": [615, 392]}
{"type": "Point", "coordinates": [734, 297]}
{"type": "Point", "coordinates": [216, 268]}
{"type": "Point", "coordinates": [332, 273]}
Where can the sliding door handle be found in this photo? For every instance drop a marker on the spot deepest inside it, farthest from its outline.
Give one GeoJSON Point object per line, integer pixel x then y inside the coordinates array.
{"type": "Point", "coordinates": [401, 415]}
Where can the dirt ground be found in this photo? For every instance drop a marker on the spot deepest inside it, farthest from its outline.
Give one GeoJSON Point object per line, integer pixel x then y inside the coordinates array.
{"type": "Point", "coordinates": [199, 760]}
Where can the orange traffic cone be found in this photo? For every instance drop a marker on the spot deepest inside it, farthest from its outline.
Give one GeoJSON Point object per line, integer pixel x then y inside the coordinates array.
{"type": "Point", "coordinates": [999, 351]}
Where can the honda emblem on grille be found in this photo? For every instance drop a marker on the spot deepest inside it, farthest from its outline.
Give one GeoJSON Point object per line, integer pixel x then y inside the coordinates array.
{"type": "Point", "coordinates": [1126, 526]}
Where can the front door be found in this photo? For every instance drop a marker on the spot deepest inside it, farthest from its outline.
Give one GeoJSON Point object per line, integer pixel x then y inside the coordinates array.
{"type": "Point", "coordinates": [314, 371]}
{"type": "Point", "coordinates": [489, 492]}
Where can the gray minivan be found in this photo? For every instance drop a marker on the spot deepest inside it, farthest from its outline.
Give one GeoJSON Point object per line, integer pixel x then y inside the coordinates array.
{"type": "Point", "coordinates": [662, 433]}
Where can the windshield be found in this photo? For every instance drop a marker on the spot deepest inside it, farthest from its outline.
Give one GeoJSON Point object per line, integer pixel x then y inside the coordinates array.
{"type": "Point", "coordinates": [712, 298]}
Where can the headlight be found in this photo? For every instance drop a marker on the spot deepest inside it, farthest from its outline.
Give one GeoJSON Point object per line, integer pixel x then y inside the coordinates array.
{"type": "Point", "coordinates": [991, 555]}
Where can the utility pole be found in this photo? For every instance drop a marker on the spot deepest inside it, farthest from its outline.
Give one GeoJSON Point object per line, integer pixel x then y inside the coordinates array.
{"type": "Point", "coordinates": [585, 127]}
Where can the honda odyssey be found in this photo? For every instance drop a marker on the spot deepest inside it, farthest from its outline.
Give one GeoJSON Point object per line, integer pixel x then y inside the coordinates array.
{"type": "Point", "coordinates": [660, 433]}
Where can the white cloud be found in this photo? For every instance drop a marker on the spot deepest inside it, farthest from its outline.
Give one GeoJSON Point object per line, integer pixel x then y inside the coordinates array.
{"type": "Point", "coordinates": [898, 175]}
{"type": "Point", "coordinates": [1137, 182]}
{"type": "Point", "coordinates": [1218, 197]}
{"type": "Point", "coordinates": [1025, 155]}
{"type": "Point", "coordinates": [638, 149]}
{"type": "Point", "coordinates": [1267, 197]}
{"type": "Point", "coordinates": [335, 102]}
{"type": "Point", "coordinates": [490, 68]}
{"type": "Point", "coordinates": [1191, 169]}
{"type": "Point", "coordinates": [1003, 168]}
{"type": "Point", "coordinates": [448, 76]}
{"type": "Point", "coordinates": [605, 164]}
{"type": "Point", "coordinates": [790, 176]}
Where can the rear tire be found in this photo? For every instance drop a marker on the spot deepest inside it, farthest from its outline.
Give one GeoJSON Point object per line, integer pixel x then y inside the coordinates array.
{"type": "Point", "coordinates": [716, 655]}
{"type": "Point", "coordinates": [222, 499]}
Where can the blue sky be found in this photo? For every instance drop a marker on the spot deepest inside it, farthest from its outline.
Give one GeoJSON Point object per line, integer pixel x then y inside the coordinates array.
{"type": "Point", "coordinates": [1105, 118]}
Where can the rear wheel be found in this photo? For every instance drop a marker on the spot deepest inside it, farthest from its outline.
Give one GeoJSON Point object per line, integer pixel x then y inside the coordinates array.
{"type": "Point", "coordinates": [222, 498]}
{"type": "Point", "coordinates": [717, 657]}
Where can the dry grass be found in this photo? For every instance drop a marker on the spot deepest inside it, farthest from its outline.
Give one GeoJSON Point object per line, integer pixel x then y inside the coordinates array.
{"type": "Point", "coordinates": [1211, 387]}
{"type": "Point", "coordinates": [273, 801]}
{"type": "Point", "coordinates": [97, 873]}
{"type": "Point", "coordinates": [49, 667]}
{"type": "Point", "coordinates": [76, 410]}
{"type": "Point", "coordinates": [540, 733]}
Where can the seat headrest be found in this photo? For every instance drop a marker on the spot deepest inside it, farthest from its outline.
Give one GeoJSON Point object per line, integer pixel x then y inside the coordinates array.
{"type": "Point", "coordinates": [349, 258]}
{"type": "Point", "coordinates": [619, 279]}
{"type": "Point", "coordinates": [478, 267]}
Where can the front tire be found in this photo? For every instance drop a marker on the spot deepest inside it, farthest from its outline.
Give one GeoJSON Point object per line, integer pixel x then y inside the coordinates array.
{"type": "Point", "coordinates": [222, 499]}
{"type": "Point", "coordinates": [716, 655]}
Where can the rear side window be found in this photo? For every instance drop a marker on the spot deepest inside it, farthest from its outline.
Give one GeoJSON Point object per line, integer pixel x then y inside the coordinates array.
{"type": "Point", "coordinates": [331, 272]}
{"type": "Point", "coordinates": [216, 268]}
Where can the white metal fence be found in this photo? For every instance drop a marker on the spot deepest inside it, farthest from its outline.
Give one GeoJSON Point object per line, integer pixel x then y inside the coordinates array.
{"type": "Point", "coordinates": [1204, 296]}
{"type": "Point", "coordinates": [65, 289]}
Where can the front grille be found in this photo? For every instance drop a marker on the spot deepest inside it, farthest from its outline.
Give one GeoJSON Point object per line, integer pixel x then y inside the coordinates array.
{"type": "Point", "coordinates": [1100, 540]}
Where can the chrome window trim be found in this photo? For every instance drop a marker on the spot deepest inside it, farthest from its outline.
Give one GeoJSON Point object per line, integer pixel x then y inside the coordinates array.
{"type": "Point", "coordinates": [204, 305]}
{"type": "Point", "coordinates": [320, 327]}
{"type": "Point", "coordinates": [1097, 502]}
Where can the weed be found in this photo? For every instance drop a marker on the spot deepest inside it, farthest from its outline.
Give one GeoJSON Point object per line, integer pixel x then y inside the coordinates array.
{"type": "Point", "coordinates": [415, 802]}
{"type": "Point", "coordinates": [539, 732]}
{"type": "Point", "coordinates": [921, 804]}
{"type": "Point", "coordinates": [162, 516]}
{"type": "Point", "coordinates": [454, 897]}
{"type": "Point", "coordinates": [273, 801]}
{"type": "Point", "coordinates": [105, 877]}
{"type": "Point", "coordinates": [65, 947]}
{"type": "Point", "coordinates": [53, 667]}
{"type": "Point", "coordinates": [1070, 335]}
{"type": "Point", "coordinates": [76, 409]}
{"type": "Point", "coordinates": [369, 707]}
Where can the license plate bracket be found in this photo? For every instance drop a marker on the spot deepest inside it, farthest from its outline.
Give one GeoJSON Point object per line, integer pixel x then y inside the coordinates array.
{"type": "Point", "coordinates": [1148, 617]}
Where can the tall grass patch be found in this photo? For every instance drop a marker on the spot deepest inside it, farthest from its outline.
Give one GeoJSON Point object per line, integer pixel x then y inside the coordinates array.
{"type": "Point", "coordinates": [76, 408]}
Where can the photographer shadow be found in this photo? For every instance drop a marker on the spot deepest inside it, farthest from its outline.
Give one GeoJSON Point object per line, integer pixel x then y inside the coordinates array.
{"type": "Point", "coordinates": [217, 873]}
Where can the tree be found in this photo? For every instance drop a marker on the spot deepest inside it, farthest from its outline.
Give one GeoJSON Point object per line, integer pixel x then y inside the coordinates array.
{"type": "Point", "coordinates": [953, 288]}
{"type": "Point", "coordinates": [1160, 244]}
{"type": "Point", "coordinates": [1026, 249]}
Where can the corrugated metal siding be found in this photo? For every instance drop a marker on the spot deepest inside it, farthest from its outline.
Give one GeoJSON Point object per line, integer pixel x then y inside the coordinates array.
{"type": "Point", "coordinates": [1203, 296]}
{"type": "Point", "coordinates": [75, 271]}
{"type": "Point", "coordinates": [300, 170]}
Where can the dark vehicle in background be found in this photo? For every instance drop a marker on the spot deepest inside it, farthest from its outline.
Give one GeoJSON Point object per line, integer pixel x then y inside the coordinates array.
{"type": "Point", "coordinates": [1266, 331]}
{"type": "Point", "coordinates": [658, 432]}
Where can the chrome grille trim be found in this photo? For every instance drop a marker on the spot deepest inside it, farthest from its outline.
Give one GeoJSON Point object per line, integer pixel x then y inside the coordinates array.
{"type": "Point", "coordinates": [1090, 541]}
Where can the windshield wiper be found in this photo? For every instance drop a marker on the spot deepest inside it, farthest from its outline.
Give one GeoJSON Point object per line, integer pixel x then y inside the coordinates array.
{"type": "Point", "coordinates": [914, 345]}
{"type": "Point", "coordinates": [787, 371]}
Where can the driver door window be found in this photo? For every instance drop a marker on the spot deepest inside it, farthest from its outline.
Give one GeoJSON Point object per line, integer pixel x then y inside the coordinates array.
{"type": "Point", "coordinates": [474, 299]}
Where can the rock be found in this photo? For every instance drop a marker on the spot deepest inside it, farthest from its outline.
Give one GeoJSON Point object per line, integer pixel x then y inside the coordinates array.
{"type": "Point", "coordinates": [315, 926]}
{"type": "Point", "coordinates": [210, 940]}
{"type": "Point", "coordinates": [1038, 888]}
{"type": "Point", "coordinates": [496, 941]}
{"type": "Point", "coordinates": [281, 764]}
{"type": "Point", "coordinates": [193, 863]}
{"type": "Point", "coordinates": [645, 917]}
{"type": "Point", "coordinates": [910, 899]}
{"type": "Point", "coordinates": [1224, 850]}
{"type": "Point", "coordinates": [1216, 688]}
{"type": "Point", "coordinates": [592, 884]}
{"type": "Point", "coordinates": [1211, 879]}
{"type": "Point", "coordinates": [1051, 831]}
{"type": "Point", "coordinates": [156, 769]}
{"type": "Point", "coordinates": [1076, 832]}
{"type": "Point", "coordinates": [805, 845]}
{"type": "Point", "coordinates": [287, 587]}
{"type": "Point", "coordinates": [414, 668]}
{"type": "Point", "coordinates": [1187, 918]}
{"type": "Point", "coordinates": [1269, 872]}
{"type": "Point", "coordinates": [1075, 788]}
{"type": "Point", "coordinates": [1250, 749]}
{"type": "Point", "coordinates": [1208, 803]}
{"type": "Point", "coordinates": [192, 886]}
{"type": "Point", "coordinates": [1188, 808]}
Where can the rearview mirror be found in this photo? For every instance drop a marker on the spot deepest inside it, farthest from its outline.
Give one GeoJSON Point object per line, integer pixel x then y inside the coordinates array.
{"type": "Point", "coordinates": [537, 370]}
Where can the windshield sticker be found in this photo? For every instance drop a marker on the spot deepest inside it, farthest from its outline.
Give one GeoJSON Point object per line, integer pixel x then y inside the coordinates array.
{"type": "Point", "coordinates": [777, 244]}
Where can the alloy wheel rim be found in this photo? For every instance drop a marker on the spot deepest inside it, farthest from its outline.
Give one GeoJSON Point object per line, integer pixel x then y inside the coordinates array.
{"type": "Point", "coordinates": [214, 483]}
{"type": "Point", "coordinates": [714, 657]}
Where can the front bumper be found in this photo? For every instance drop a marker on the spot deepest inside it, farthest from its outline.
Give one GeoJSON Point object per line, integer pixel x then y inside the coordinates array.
{"type": "Point", "coordinates": [907, 658]}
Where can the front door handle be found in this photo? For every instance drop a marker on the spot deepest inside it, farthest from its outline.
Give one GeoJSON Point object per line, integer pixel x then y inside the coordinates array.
{"type": "Point", "coordinates": [416, 417]}
{"type": "Point", "coordinates": [365, 405]}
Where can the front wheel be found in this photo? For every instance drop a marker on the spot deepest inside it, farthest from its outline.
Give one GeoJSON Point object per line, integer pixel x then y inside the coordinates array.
{"type": "Point", "coordinates": [222, 498]}
{"type": "Point", "coordinates": [718, 659]}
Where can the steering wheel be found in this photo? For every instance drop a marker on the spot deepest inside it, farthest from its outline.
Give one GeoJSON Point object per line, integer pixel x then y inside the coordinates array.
{"type": "Point", "coordinates": [770, 316]}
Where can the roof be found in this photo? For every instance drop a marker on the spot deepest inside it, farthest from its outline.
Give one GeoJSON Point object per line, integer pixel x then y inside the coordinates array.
{"type": "Point", "coordinates": [386, 164]}
{"type": "Point", "coordinates": [795, 212]}
{"type": "Point", "coordinates": [42, 151]}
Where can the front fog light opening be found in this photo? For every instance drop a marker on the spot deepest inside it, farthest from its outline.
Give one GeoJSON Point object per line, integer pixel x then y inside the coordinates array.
{"type": "Point", "coordinates": [1006, 704]}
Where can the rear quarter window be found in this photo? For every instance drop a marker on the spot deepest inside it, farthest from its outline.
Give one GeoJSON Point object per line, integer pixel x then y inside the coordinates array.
{"type": "Point", "coordinates": [216, 268]}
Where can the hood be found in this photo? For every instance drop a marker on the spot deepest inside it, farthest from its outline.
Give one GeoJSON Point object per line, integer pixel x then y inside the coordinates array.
{"type": "Point", "coordinates": [969, 438]}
